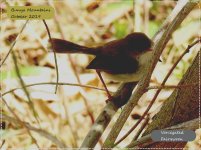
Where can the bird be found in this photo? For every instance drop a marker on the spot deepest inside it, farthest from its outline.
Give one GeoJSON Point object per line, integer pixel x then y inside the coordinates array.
{"type": "Point", "coordinates": [122, 60]}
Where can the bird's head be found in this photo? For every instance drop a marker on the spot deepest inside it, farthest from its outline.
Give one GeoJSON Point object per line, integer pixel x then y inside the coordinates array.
{"type": "Point", "coordinates": [138, 43]}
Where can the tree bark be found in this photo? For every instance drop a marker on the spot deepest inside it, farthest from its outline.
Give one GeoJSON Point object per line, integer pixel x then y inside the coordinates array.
{"type": "Point", "coordinates": [183, 105]}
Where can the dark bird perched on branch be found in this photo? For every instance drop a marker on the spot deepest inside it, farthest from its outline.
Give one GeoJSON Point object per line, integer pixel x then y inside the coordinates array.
{"type": "Point", "coordinates": [118, 60]}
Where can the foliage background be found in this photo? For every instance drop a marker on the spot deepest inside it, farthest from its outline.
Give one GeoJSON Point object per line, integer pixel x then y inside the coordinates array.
{"type": "Point", "coordinates": [89, 23]}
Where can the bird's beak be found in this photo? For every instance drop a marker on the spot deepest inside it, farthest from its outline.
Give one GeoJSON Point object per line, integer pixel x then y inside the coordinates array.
{"type": "Point", "coordinates": [150, 49]}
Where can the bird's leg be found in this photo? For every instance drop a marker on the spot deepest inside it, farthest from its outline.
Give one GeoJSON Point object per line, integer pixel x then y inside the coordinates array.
{"type": "Point", "coordinates": [107, 91]}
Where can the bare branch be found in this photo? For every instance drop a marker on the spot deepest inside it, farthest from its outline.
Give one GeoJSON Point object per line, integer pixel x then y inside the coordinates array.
{"type": "Point", "coordinates": [53, 83]}
{"type": "Point", "coordinates": [13, 44]}
{"type": "Point", "coordinates": [55, 56]}
{"type": "Point", "coordinates": [172, 86]}
{"type": "Point", "coordinates": [119, 99]}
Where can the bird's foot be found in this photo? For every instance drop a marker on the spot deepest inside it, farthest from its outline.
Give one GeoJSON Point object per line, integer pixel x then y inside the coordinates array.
{"type": "Point", "coordinates": [110, 98]}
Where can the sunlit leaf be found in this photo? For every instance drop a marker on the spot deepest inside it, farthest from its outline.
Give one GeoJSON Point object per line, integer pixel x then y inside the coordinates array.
{"type": "Point", "coordinates": [121, 29]}
{"type": "Point", "coordinates": [153, 27]}
{"type": "Point", "coordinates": [25, 71]}
{"type": "Point", "coordinates": [185, 33]}
{"type": "Point", "coordinates": [110, 7]}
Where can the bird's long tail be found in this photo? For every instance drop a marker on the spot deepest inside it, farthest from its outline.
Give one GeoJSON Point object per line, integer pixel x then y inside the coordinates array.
{"type": "Point", "coordinates": [63, 46]}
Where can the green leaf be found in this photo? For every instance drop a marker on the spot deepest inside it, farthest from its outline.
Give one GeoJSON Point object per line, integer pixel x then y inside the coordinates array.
{"type": "Point", "coordinates": [25, 71]}
{"type": "Point", "coordinates": [121, 29]}
{"type": "Point", "coordinates": [153, 28]}
{"type": "Point", "coordinates": [9, 133]}
{"type": "Point", "coordinates": [115, 6]}
{"type": "Point", "coordinates": [185, 33]}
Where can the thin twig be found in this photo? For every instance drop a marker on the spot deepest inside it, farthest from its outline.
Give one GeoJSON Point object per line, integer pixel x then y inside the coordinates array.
{"type": "Point", "coordinates": [64, 102]}
{"type": "Point", "coordinates": [158, 91]}
{"type": "Point", "coordinates": [55, 56]}
{"type": "Point", "coordinates": [53, 83]}
{"type": "Point", "coordinates": [141, 128]}
{"type": "Point", "coordinates": [13, 44]}
{"type": "Point", "coordinates": [76, 74]}
{"type": "Point", "coordinates": [31, 105]}
{"type": "Point", "coordinates": [3, 142]}
{"type": "Point", "coordinates": [74, 131]}
{"type": "Point", "coordinates": [19, 121]}
{"type": "Point", "coordinates": [44, 133]}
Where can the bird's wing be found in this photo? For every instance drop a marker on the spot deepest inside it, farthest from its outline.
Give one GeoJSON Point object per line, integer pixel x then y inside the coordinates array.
{"type": "Point", "coordinates": [114, 65]}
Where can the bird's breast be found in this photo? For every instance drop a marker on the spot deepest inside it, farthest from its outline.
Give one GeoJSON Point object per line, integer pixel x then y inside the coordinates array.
{"type": "Point", "coordinates": [129, 77]}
